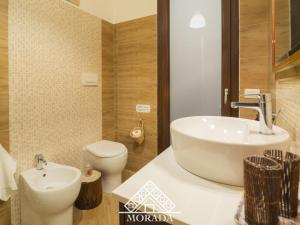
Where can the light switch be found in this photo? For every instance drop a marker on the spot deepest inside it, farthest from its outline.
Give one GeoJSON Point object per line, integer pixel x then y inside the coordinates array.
{"type": "Point", "coordinates": [143, 108]}
{"type": "Point", "coordinates": [89, 79]}
{"type": "Point", "coordinates": [250, 93]}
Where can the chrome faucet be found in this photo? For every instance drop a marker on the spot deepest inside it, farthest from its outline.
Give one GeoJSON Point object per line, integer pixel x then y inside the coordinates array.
{"type": "Point", "coordinates": [264, 108]}
{"type": "Point", "coordinates": [39, 162]}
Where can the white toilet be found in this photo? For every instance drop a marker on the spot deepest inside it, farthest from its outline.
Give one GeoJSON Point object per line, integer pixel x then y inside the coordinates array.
{"type": "Point", "coordinates": [110, 159]}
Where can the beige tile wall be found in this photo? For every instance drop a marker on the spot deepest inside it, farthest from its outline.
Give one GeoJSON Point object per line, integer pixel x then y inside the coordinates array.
{"type": "Point", "coordinates": [288, 100]}
{"type": "Point", "coordinates": [136, 70]}
{"type": "Point", "coordinates": [4, 121]}
{"type": "Point", "coordinates": [255, 47]}
{"type": "Point", "coordinates": [51, 44]}
{"type": "Point", "coordinates": [4, 111]}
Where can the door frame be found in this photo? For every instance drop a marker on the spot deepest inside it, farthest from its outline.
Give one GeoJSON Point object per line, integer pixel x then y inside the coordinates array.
{"type": "Point", "coordinates": [230, 56]}
{"type": "Point", "coordinates": [163, 78]}
{"type": "Point", "coordinates": [230, 65]}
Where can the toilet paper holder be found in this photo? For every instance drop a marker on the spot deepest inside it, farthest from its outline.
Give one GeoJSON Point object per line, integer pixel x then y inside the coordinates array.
{"type": "Point", "coordinates": [138, 133]}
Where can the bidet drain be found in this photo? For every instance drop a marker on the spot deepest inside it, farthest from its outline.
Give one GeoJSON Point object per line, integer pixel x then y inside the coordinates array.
{"type": "Point", "coordinates": [49, 187]}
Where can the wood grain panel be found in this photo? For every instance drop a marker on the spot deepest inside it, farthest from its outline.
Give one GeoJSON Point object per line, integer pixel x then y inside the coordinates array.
{"type": "Point", "coordinates": [255, 40]}
{"type": "Point", "coordinates": [105, 214]}
{"type": "Point", "coordinates": [127, 174]}
{"type": "Point", "coordinates": [136, 72]}
{"type": "Point", "coordinates": [5, 213]}
{"type": "Point", "coordinates": [253, 12]}
{"type": "Point", "coordinates": [255, 48]}
{"type": "Point", "coordinates": [129, 77]}
{"type": "Point", "coordinates": [109, 121]}
{"type": "Point", "coordinates": [289, 63]}
{"type": "Point", "coordinates": [254, 72]}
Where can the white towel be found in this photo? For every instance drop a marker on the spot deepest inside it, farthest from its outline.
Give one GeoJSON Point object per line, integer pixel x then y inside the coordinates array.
{"type": "Point", "coordinates": [8, 167]}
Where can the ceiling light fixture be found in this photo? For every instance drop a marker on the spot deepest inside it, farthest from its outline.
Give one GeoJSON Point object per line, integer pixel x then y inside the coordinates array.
{"type": "Point", "coordinates": [198, 21]}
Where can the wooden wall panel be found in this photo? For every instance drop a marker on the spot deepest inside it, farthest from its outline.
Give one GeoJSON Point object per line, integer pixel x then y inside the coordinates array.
{"type": "Point", "coordinates": [5, 214]}
{"type": "Point", "coordinates": [255, 48]}
{"type": "Point", "coordinates": [163, 74]}
{"type": "Point", "coordinates": [105, 214]}
{"type": "Point", "coordinates": [136, 70]}
{"type": "Point", "coordinates": [109, 120]}
{"type": "Point", "coordinates": [129, 77]}
{"type": "Point", "coordinates": [4, 110]}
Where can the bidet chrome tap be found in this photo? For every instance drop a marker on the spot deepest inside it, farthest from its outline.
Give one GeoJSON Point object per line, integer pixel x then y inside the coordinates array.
{"type": "Point", "coordinates": [39, 162]}
{"type": "Point", "coordinates": [264, 108]}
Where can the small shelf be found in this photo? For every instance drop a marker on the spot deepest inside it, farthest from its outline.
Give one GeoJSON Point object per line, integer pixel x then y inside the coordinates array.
{"type": "Point", "coordinates": [288, 63]}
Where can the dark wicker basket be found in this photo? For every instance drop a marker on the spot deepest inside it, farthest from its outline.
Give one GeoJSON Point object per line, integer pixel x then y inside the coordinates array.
{"type": "Point", "coordinates": [262, 179]}
{"type": "Point", "coordinates": [290, 182]}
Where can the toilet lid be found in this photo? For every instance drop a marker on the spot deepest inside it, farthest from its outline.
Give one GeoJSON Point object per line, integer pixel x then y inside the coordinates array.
{"type": "Point", "coordinates": [106, 149]}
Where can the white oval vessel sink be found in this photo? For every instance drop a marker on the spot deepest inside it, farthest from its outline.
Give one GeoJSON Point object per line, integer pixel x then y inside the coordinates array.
{"type": "Point", "coordinates": [48, 195]}
{"type": "Point", "coordinates": [214, 147]}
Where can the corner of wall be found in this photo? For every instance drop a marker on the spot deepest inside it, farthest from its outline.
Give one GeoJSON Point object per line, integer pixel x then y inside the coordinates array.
{"type": "Point", "coordinates": [117, 11]}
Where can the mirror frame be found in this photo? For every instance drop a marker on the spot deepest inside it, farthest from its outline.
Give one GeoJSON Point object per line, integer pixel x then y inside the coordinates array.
{"type": "Point", "coordinates": [289, 62]}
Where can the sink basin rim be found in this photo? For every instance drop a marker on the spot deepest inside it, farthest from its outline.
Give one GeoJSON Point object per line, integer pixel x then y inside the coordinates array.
{"type": "Point", "coordinates": [26, 175]}
{"type": "Point", "coordinates": [247, 121]}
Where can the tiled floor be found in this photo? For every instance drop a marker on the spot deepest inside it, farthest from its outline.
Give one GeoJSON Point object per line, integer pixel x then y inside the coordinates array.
{"type": "Point", "coordinates": [105, 214]}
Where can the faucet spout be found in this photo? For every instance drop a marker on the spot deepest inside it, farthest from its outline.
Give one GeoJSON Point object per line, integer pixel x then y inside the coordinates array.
{"type": "Point", "coordinates": [264, 108]}
{"type": "Point", "coordinates": [236, 105]}
{"type": "Point", "coordinates": [40, 162]}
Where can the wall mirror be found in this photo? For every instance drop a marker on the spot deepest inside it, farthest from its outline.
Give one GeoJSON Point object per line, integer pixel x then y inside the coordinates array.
{"type": "Point", "coordinates": [286, 32]}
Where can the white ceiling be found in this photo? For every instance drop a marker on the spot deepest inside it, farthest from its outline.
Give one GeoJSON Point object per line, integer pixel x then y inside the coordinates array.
{"type": "Point", "coordinates": [116, 11]}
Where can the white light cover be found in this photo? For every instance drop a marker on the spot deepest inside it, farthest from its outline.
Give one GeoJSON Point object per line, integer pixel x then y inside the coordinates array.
{"type": "Point", "coordinates": [198, 21]}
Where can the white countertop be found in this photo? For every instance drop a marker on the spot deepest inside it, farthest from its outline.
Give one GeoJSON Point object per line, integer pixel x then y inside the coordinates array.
{"type": "Point", "coordinates": [200, 202]}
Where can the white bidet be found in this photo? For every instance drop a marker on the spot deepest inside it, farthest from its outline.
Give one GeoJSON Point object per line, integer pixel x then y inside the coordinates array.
{"type": "Point", "coordinates": [47, 196]}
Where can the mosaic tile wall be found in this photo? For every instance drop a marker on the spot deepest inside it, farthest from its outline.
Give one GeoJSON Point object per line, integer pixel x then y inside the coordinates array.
{"type": "Point", "coordinates": [51, 44]}
{"type": "Point", "coordinates": [4, 110]}
{"type": "Point", "coordinates": [4, 125]}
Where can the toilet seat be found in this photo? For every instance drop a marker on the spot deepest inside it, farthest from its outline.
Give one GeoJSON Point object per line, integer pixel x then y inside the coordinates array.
{"type": "Point", "coordinates": [106, 149]}
{"type": "Point", "coordinates": [110, 159]}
